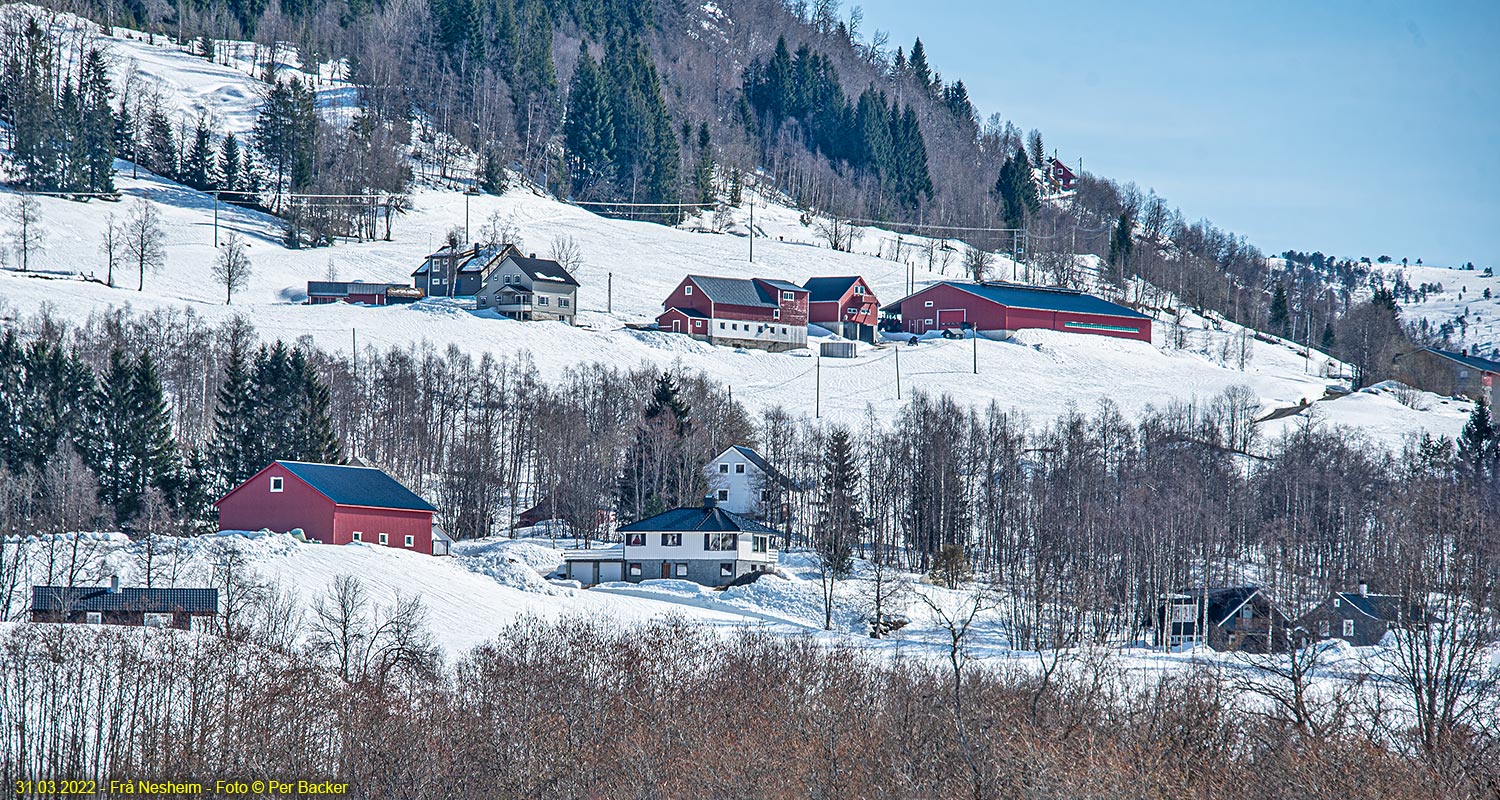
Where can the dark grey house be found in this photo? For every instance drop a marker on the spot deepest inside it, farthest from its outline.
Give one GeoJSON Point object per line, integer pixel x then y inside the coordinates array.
{"type": "Point", "coordinates": [1449, 373]}
{"type": "Point", "coordinates": [459, 271]}
{"type": "Point", "coordinates": [1224, 618]}
{"type": "Point", "coordinates": [529, 288]}
{"type": "Point", "coordinates": [704, 544]}
{"type": "Point", "coordinates": [1360, 618]}
{"type": "Point", "coordinates": [187, 609]}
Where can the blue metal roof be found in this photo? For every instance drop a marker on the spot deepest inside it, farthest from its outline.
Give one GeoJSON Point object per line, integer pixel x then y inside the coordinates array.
{"type": "Point", "coordinates": [357, 486]}
{"type": "Point", "coordinates": [1041, 298]}
{"type": "Point", "coordinates": [701, 518]}
{"type": "Point", "coordinates": [64, 599]}
{"type": "Point", "coordinates": [825, 290]}
{"type": "Point", "coordinates": [1473, 362]}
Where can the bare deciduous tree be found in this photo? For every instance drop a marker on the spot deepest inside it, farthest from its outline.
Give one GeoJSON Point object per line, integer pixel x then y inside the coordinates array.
{"type": "Point", "coordinates": [232, 268]}
{"type": "Point", "coordinates": [28, 237]}
{"type": "Point", "coordinates": [143, 240]}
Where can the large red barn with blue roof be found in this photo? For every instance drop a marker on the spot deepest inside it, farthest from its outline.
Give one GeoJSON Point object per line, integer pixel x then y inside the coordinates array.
{"type": "Point", "coordinates": [1009, 307]}
{"type": "Point", "coordinates": [333, 504]}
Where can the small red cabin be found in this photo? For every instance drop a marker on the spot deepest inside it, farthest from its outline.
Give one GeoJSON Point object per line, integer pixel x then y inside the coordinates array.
{"type": "Point", "coordinates": [333, 504]}
{"type": "Point", "coordinates": [844, 305]}
{"type": "Point", "coordinates": [1062, 177]}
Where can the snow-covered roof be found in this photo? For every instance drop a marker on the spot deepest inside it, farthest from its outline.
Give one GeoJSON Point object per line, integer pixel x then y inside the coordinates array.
{"type": "Point", "coordinates": [542, 269]}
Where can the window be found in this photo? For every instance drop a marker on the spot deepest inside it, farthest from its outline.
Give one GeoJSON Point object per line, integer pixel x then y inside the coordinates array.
{"type": "Point", "coordinates": [635, 540]}
{"type": "Point", "coordinates": [1463, 373]}
{"type": "Point", "coordinates": [1247, 612]}
{"type": "Point", "coordinates": [634, 569]}
{"type": "Point", "coordinates": [562, 302]}
{"type": "Point", "coordinates": [723, 494]}
{"type": "Point", "coordinates": [726, 570]}
{"type": "Point", "coordinates": [859, 289]}
{"type": "Point", "coordinates": [158, 620]}
{"type": "Point", "coordinates": [927, 304]}
{"type": "Point", "coordinates": [687, 290]}
{"type": "Point", "coordinates": [358, 536]}
{"type": "Point", "coordinates": [682, 570]}
{"type": "Point", "coordinates": [1335, 602]}
{"type": "Point", "coordinates": [719, 541]}
{"type": "Point", "coordinates": [724, 469]}
{"type": "Point", "coordinates": [1348, 628]}
{"type": "Point", "coordinates": [776, 314]}
{"type": "Point", "coordinates": [94, 618]}
{"type": "Point", "coordinates": [721, 326]}
{"type": "Point", "coordinates": [276, 484]}
{"type": "Point", "coordinates": [385, 539]}
{"type": "Point", "coordinates": [760, 544]}
{"type": "Point", "coordinates": [541, 300]}
{"type": "Point", "coordinates": [787, 297]}
{"type": "Point", "coordinates": [1323, 628]}
{"type": "Point", "coordinates": [765, 494]}
{"type": "Point", "coordinates": [671, 540]}
{"type": "Point", "coordinates": [411, 541]}
{"type": "Point", "coordinates": [739, 469]}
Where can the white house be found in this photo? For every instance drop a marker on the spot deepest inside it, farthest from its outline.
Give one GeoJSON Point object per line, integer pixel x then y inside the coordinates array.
{"type": "Point", "coordinates": [743, 482]}
{"type": "Point", "coordinates": [530, 289]}
{"type": "Point", "coordinates": [705, 544]}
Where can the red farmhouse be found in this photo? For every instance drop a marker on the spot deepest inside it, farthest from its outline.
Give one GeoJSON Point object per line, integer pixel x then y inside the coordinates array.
{"type": "Point", "coordinates": [844, 305]}
{"type": "Point", "coordinates": [1006, 307]}
{"type": "Point", "coordinates": [333, 504]}
{"type": "Point", "coordinates": [758, 312]}
{"type": "Point", "coordinates": [1062, 177]}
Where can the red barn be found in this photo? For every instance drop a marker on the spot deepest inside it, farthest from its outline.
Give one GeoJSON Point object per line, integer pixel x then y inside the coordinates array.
{"type": "Point", "coordinates": [1007, 307]}
{"type": "Point", "coordinates": [755, 312]}
{"type": "Point", "coordinates": [844, 305]}
{"type": "Point", "coordinates": [333, 504]}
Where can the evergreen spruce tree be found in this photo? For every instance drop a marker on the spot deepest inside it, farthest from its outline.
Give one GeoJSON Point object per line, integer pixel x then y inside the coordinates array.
{"type": "Point", "coordinates": [229, 167]}
{"type": "Point", "coordinates": [198, 163]}
{"type": "Point", "coordinates": [1329, 341]}
{"type": "Point", "coordinates": [1279, 314]}
{"type": "Point", "coordinates": [29, 108]}
{"type": "Point", "coordinates": [99, 124]}
{"type": "Point", "coordinates": [160, 462]}
{"type": "Point", "coordinates": [872, 117]}
{"type": "Point", "coordinates": [161, 146]}
{"type": "Point", "coordinates": [589, 130]}
{"type": "Point", "coordinates": [703, 177]}
{"type": "Point", "coordinates": [1017, 190]}
{"type": "Point", "coordinates": [841, 519]}
{"type": "Point", "coordinates": [10, 400]}
{"type": "Point", "coordinates": [57, 405]}
{"type": "Point", "coordinates": [1478, 447]}
{"type": "Point", "coordinates": [1121, 243]}
{"type": "Point", "coordinates": [318, 443]}
{"type": "Point", "coordinates": [113, 454]}
{"type": "Point", "coordinates": [491, 171]}
{"type": "Point", "coordinates": [230, 451]}
{"type": "Point", "coordinates": [917, 64]}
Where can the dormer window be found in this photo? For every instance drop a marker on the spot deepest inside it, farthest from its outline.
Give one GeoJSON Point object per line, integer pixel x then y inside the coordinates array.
{"type": "Point", "coordinates": [276, 484]}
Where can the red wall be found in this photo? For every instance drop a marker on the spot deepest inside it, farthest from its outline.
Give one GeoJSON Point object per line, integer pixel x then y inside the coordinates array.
{"type": "Point", "coordinates": [685, 323]}
{"type": "Point", "coordinates": [680, 299]}
{"type": "Point", "coordinates": [847, 308]}
{"type": "Point", "coordinates": [254, 506]}
{"type": "Point", "coordinates": [987, 315]}
{"type": "Point", "coordinates": [371, 522]}
{"type": "Point", "coordinates": [792, 313]}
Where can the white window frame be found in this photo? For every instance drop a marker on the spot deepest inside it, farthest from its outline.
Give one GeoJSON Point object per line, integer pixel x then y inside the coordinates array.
{"type": "Point", "coordinates": [156, 620]}
{"type": "Point", "coordinates": [726, 569]}
{"type": "Point", "coordinates": [635, 540]}
{"type": "Point", "coordinates": [671, 540]}
{"type": "Point", "coordinates": [1335, 602]}
{"type": "Point", "coordinates": [277, 484]}
{"type": "Point", "coordinates": [739, 469]}
{"type": "Point", "coordinates": [723, 495]}
{"type": "Point", "coordinates": [776, 314]}
{"type": "Point", "coordinates": [859, 289]}
{"type": "Point", "coordinates": [788, 297]}
{"type": "Point", "coordinates": [760, 543]}
{"type": "Point", "coordinates": [724, 469]}
{"type": "Point", "coordinates": [633, 569]}
{"type": "Point", "coordinates": [385, 538]}
{"type": "Point", "coordinates": [927, 304]}
{"type": "Point", "coordinates": [1348, 628]}
{"type": "Point", "coordinates": [541, 299]}
{"type": "Point", "coordinates": [411, 541]}
{"type": "Point", "coordinates": [681, 570]}
{"type": "Point", "coordinates": [93, 617]}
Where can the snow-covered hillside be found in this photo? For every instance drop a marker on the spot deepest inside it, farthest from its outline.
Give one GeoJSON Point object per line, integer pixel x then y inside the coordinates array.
{"type": "Point", "coordinates": [628, 268]}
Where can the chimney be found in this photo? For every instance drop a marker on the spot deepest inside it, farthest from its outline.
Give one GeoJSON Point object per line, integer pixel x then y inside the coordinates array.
{"type": "Point", "coordinates": [710, 501]}
{"type": "Point", "coordinates": [114, 584]}
{"type": "Point", "coordinates": [533, 256]}
{"type": "Point", "coordinates": [1364, 589]}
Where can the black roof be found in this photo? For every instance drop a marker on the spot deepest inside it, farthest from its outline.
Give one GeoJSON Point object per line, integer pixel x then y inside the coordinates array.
{"type": "Point", "coordinates": [708, 518]}
{"type": "Point", "coordinates": [825, 290]}
{"type": "Point", "coordinates": [357, 486]}
{"type": "Point", "coordinates": [543, 269]}
{"type": "Point", "coordinates": [1385, 607]}
{"type": "Point", "coordinates": [63, 599]}
{"type": "Point", "coordinates": [1222, 601]}
{"type": "Point", "coordinates": [744, 291]}
{"type": "Point", "coordinates": [1472, 362]}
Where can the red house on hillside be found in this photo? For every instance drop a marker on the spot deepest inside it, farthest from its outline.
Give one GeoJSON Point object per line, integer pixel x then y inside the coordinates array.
{"type": "Point", "coordinates": [756, 312]}
{"type": "Point", "coordinates": [1007, 307]}
{"type": "Point", "coordinates": [333, 504]}
{"type": "Point", "coordinates": [1061, 177]}
{"type": "Point", "coordinates": [844, 305]}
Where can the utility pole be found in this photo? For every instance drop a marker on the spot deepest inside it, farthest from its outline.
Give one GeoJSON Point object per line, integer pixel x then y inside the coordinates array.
{"type": "Point", "coordinates": [609, 294]}
{"type": "Point", "coordinates": [818, 387]}
{"type": "Point", "coordinates": [354, 353]}
{"type": "Point", "coordinates": [974, 334]}
{"type": "Point", "coordinates": [898, 370]}
{"type": "Point", "coordinates": [752, 231]}
{"type": "Point", "coordinates": [216, 219]}
{"type": "Point", "coordinates": [468, 193]}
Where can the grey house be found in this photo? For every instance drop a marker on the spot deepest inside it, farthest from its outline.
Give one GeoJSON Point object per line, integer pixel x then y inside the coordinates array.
{"type": "Point", "coordinates": [1360, 618]}
{"type": "Point", "coordinates": [1450, 373]}
{"type": "Point", "coordinates": [459, 271]}
{"type": "Point", "coordinates": [529, 288]}
{"type": "Point", "coordinates": [1224, 618]}
{"type": "Point", "coordinates": [186, 609]}
{"type": "Point", "coordinates": [704, 544]}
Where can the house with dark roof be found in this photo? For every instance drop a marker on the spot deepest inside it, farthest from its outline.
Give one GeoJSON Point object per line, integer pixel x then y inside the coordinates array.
{"type": "Point", "coordinates": [333, 504]}
{"type": "Point", "coordinates": [705, 544]}
{"type": "Point", "coordinates": [743, 482]}
{"type": "Point", "coordinates": [459, 270]}
{"type": "Point", "coordinates": [844, 305]}
{"type": "Point", "coordinates": [1224, 618]}
{"type": "Point", "coordinates": [997, 309]}
{"type": "Point", "coordinates": [1450, 373]}
{"type": "Point", "coordinates": [186, 609]}
{"type": "Point", "coordinates": [741, 312]}
{"type": "Point", "coordinates": [372, 294]}
{"type": "Point", "coordinates": [529, 288]}
{"type": "Point", "coordinates": [1361, 618]}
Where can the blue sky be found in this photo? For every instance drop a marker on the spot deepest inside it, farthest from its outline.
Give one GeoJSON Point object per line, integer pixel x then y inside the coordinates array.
{"type": "Point", "coordinates": [1358, 128]}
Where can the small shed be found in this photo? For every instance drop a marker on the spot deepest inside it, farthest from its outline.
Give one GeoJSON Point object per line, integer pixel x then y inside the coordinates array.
{"type": "Point", "coordinates": [836, 349]}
